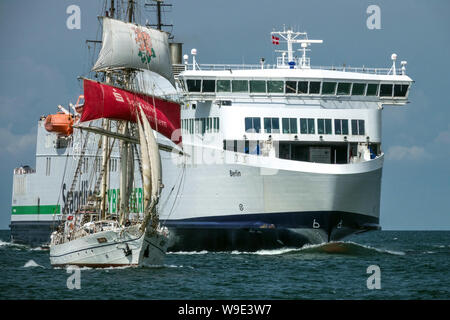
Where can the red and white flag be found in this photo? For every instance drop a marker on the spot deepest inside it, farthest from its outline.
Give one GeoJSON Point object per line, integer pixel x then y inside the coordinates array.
{"type": "Point", "coordinates": [275, 40]}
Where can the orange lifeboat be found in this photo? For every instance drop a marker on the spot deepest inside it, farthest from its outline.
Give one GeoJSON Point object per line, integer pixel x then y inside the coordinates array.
{"type": "Point", "coordinates": [59, 123]}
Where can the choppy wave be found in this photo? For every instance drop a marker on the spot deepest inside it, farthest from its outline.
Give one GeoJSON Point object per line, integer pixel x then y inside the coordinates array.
{"type": "Point", "coordinates": [32, 264]}
{"type": "Point", "coordinates": [177, 266]}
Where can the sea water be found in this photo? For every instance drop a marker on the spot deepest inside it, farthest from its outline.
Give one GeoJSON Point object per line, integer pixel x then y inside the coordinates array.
{"type": "Point", "coordinates": [373, 265]}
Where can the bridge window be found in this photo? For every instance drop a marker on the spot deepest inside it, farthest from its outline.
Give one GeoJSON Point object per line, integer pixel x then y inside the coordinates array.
{"type": "Point", "coordinates": [239, 85]}
{"type": "Point", "coordinates": [340, 126]}
{"type": "Point", "coordinates": [275, 86]}
{"type": "Point", "coordinates": [289, 125]}
{"type": "Point", "coordinates": [329, 88]}
{"type": "Point", "coordinates": [193, 85]}
{"type": "Point", "coordinates": [372, 89]}
{"type": "Point", "coordinates": [343, 88]}
{"type": "Point", "coordinates": [253, 125]}
{"type": "Point", "coordinates": [209, 85]}
{"type": "Point", "coordinates": [271, 125]}
{"type": "Point", "coordinates": [400, 90]}
{"type": "Point", "coordinates": [386, 90]}
{"type": "Point", "coordinates": [314, 87]}
{"type": "Point", "coordinates": [257, 86]}
{"type": "Point", "coordinates": [358, 127]}
{"type": "Point", "coordinates": [307, 126]}
{"type": "Point", "coordinates": [204, 124]}
{"type": "Point", "coordinates": [303, 87]}
{"type": "Point", "coordinates": [324, 126]}
{"type": "Point", "coordinates": [209, 124]}
{"type": "Point", "coordinates": [216, 124]}
{"type": "Point", "coordinates": [223, 86]}
{"type": "Point", "coordinates": [358, 89]}
{"type": "Point", "coordinates": [291, 87]}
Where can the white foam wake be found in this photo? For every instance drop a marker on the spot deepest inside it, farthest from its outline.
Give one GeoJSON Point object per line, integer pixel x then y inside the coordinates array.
{"type": "Point", "coordinates": [188, 252]}
{"type": "Point", "coordinates": [268, 252]}
{"type": "Point", "coordinates": [10, 244]}
{"type": "Point", "coordinates": [345, 247]}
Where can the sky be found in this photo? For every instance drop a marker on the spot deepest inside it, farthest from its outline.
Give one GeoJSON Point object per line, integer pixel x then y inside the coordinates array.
{"type": "Point", "coordinates": [41, 58]}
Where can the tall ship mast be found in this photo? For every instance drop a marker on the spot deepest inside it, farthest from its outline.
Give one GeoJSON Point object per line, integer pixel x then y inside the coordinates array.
{"type": "Point", "coordinates": [268, 155]}
{"type": "Point", "coordinates": [90, 235]}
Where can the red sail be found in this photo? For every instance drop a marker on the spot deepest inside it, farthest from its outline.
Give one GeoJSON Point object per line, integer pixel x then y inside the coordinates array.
{"type": "Point", "coordinates": [104, 101]}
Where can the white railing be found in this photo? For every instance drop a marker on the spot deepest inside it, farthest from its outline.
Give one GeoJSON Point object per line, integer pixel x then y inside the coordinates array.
{"type": "Point", "coordinates": [381, 71]}
{"type": "Point", "coordinates": [219, 67]}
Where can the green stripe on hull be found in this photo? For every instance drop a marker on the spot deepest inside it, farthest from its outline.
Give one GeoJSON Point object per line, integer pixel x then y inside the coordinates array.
{"type": "Point", "coordinates": [36, 209]}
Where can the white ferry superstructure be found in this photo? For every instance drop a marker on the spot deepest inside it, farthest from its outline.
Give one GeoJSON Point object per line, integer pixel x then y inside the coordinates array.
{"type": "Point", "coordinates": [275, 155]}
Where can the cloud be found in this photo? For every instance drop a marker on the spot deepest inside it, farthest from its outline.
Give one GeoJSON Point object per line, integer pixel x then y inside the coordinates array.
{"type": "Point", "coordinates": [16, 144]}
{"type": "Point", "coordinates": [443, 137]}
{"type": "Point", "coordinates": [407, 153]}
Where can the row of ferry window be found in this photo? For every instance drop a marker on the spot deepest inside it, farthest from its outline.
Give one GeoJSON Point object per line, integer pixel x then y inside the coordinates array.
{"type": "Point", "coordinates": [307, 126]}
{"type": "Point", "coordinates": [297, 87]}
{"type": "Point", "coordinates": [200, 125]}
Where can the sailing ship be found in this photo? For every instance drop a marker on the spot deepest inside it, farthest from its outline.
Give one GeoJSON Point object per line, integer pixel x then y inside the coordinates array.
{"type": "Point", "coordinates": [90, 236]}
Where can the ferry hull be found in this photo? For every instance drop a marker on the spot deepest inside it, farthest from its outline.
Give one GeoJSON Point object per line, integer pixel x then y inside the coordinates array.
{"type": "Point", "coordinates": [243, 206]}
{"type": "Point", "coordinates": [32, 233]}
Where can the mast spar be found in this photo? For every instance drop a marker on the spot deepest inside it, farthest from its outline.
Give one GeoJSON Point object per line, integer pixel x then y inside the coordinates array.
{"type": "Point", "coordinates": [160, 5]}
{"type": "Point", "coordinates": [130, 10]}
{"type": "Point", "coordinates": [112, 10]}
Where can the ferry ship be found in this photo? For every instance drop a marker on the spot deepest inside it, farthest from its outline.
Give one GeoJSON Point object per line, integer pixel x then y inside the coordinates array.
{"type": "Point", "coordinates": [274, 155]}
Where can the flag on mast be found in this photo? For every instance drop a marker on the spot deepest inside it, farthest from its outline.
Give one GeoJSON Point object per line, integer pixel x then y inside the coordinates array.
{"type": "Point", "coordinates": [275, 40]}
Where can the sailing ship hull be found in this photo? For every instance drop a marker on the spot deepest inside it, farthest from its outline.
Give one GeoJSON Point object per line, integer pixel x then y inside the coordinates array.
{"type": "Point", "coordinates": [113, 248]}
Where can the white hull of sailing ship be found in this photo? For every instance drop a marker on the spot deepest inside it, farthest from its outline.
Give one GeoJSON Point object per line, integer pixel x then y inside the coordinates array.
{"type": "Point", "coordinates": [111, 248]}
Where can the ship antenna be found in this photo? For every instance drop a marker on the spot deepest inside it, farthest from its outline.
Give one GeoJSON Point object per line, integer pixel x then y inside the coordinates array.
{"type": "Point", "coordinates": [291, 38]}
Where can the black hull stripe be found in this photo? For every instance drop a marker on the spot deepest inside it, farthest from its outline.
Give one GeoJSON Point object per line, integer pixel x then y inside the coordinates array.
{"type": "Point", "coordinates": [305, 219]}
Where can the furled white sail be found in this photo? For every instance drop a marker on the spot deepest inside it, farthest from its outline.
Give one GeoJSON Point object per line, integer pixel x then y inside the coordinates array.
{"type": "Point", "coordinates": [154, 157]}
{"type": "Point", "coordinates": [127, 45]}
{"type": "Point", "coordinates": [146, 172]}
{"type": "Point", "coordinates": [151, 163]}
{"type": "Point", "coordinates": [151, 171]}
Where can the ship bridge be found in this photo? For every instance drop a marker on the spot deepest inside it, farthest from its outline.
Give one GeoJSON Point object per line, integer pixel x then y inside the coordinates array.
{"type": "Point", "coordinates": [293, 78]}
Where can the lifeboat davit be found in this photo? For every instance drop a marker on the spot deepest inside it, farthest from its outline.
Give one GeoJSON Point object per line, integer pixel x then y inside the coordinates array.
{"type": "Point", "coordinates": [60, 123]}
